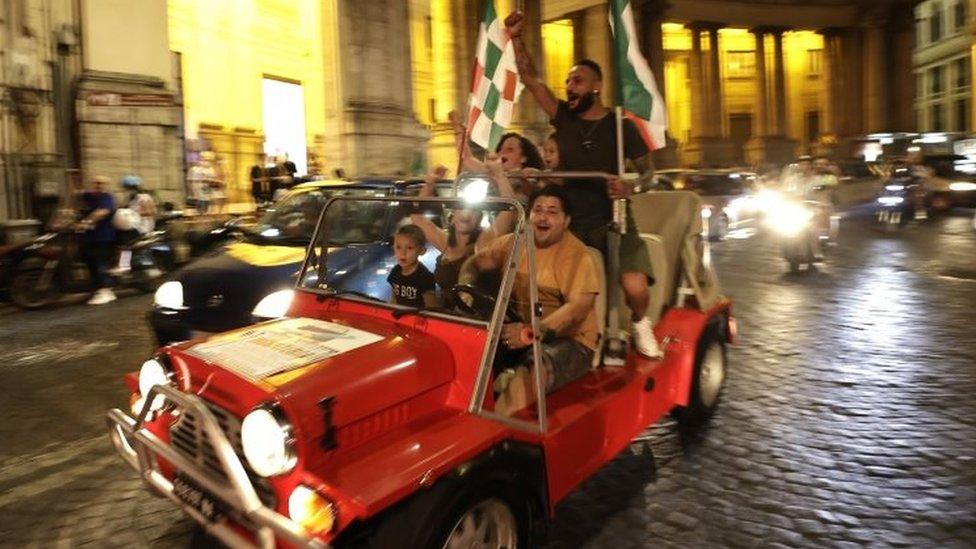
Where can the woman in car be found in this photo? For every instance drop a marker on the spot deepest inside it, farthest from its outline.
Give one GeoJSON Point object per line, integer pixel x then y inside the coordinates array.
{"type": "Point", "coordinates": [464, 234]}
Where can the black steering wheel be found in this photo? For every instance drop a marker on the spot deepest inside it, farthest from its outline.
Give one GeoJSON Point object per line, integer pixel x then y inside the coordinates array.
{"type": "Point", "coordinates": [482, 303]}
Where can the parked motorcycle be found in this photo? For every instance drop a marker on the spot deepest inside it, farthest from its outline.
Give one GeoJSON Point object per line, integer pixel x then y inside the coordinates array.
{"type": "Point", "coordinates": [53, 264]}
{"type": "Point", "coordinates": [900, 201]}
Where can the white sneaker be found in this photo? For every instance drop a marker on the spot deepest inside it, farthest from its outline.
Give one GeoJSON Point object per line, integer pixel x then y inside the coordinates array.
{"type": "Point", "coordinates": [644, 341]}
{"type": "Point", "coordinates": [102, 296]}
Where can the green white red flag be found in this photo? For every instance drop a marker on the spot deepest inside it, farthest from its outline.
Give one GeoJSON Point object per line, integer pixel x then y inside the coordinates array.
{"type": "Point", "coordinates": [495, 84]}
{"type": "Point", "coordinates": [636, 88]}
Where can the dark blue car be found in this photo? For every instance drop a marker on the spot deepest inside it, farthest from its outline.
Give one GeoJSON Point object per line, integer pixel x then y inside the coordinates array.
{"type": "Point", "coordinates": [249, 279]}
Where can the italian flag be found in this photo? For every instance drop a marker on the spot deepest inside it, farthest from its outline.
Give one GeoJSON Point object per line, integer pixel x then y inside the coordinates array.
{"type": "Point", "coordinates": [636, 88]}
{"type": "Point", "coordinates": [495, 84]}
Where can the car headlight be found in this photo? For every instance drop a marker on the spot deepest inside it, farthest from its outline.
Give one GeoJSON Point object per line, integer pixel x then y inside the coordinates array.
{"type": "Point", "coordinates": [312, 511]}
{"type": "Point", "coordinates": [706, 212]}
{"type": "Point", "coordinates": [894, 188]}
{"type": "Point", "coordinates": [890, 200]}
{"type": "Point", "coordinates": [169, 295]}
{"type": "Point", "coordinates": [962, 186]}
{"type": "Point", "coordinates": [266, 438]}
{"type": "Point", "coordinates": [274, 305]}
{"type": "Point", "coordinates": [790, 219]}
{"type": "Point", "coordinates": [152, 373]}
{"type": "Point", "coordinates": [768, 200]}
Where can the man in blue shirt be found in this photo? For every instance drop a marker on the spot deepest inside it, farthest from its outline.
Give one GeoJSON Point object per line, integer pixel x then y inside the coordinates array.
{"type": "Point", "coordinates": [97, 209]}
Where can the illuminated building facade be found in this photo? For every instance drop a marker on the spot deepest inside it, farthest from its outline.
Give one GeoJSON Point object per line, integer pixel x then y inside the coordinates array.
{"type": "Point", "coordinates": [943, 65]}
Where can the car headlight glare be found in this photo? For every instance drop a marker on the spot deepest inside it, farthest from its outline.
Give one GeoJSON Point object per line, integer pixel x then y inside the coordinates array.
{"type": "Point", "coordinates": [169, 295]}
{"type": "Point", "coordinates": [267, 442]}
{"type": "Point", "coordinates": [790, 219]}
{"type": "Point", "coordinates": [153, 373]}
{"type": "Point", "coordinates": [962, 186]}
{"type": "Point", "coordinates": [894, 188]}
{"type": "Point", "coordinates": [890, 200]}
{"type": "Point", "coordinates": [312, 511]}
{"type": "Point", "coordinates": [475, 191]}
{"type": "Point", "coordinates": [274, 305]}
{"type": "Point", "coordinates": [706, 212]}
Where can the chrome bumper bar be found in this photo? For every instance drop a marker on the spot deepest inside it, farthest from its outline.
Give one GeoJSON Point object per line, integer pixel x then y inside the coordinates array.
{"type": "Point", "coordinates": [139, 448]}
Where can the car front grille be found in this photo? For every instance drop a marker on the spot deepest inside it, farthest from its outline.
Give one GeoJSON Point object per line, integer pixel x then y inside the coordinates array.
{"type": "Point", "coordinates": [189, 438]}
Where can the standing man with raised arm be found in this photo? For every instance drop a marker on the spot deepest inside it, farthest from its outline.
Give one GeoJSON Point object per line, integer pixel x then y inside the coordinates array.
{"type": "Point", "coordinates": [586, 133]}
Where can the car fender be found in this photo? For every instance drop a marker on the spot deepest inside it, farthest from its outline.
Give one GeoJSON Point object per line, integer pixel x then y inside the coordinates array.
{"type": "Point", "coordinates": [515, 464]}
{"type": "Point", "coordinates": [685, 326]}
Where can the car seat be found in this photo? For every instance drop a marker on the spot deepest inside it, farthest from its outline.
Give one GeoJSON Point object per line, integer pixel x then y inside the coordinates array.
{"type": "Point", "coordinates": [670, 224]}
{"type": "Point", "coordinates": [600, 305]}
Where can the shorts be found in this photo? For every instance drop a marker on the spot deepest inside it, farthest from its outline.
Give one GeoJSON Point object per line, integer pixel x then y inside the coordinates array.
{"type": "Point", "coordinates": [565, 360]}
{"type": "Point", "coordinates": [633, 253]}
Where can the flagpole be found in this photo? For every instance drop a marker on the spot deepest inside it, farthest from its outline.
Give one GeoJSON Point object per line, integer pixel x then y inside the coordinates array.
{"type": "Point", "coordinates": [616, 347]}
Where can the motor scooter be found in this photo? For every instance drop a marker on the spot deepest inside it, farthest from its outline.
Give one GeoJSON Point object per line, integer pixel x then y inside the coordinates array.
{"type": "Point", "coordinates": [53, 264]}
{"type": "Point", "coordinates": [900, 201]}
{"type": "Point", "coordinates": [804, 227]}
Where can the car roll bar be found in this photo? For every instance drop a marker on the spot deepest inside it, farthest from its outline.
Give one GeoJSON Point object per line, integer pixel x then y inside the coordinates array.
{"type": "Point", "coordinates": [139, 447]}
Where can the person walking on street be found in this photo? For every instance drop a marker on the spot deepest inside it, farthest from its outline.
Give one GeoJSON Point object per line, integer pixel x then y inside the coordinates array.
{"type": "Point", "coordinates": [586, 136]}
{"type": "Point", "coordinates": [97, 208]}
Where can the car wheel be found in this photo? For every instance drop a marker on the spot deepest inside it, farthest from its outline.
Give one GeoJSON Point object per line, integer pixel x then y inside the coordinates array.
{"type": "Point", "coordinates": [484, 513]}
{"type": "Point", "coordinates": [709, 377]}
{"type": "Point", "coordinates": [25, 293]}
{"type": "Point", "coordinates": [490, 523]}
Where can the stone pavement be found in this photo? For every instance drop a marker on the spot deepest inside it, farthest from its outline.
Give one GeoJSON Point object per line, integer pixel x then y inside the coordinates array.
{"type": "Point", "coordinates": [848, 417]}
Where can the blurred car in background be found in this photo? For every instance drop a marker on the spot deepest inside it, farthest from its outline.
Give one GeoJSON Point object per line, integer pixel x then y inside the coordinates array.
{"type": "Point", "coordinates": [949, 182]}
{"type": "Point", "coordinates": [250, 277]}
{"type": "Point", "coordinates": [730, 198]}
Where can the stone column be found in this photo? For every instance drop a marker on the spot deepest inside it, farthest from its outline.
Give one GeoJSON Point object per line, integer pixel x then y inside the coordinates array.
{"type": "Point", "coordinates": [769, 143]}
{"type": "Point", "coordinates": [760, 123]}
{"type": "Point", "coordinates": [779, 85]}
{"type": "Point", "coordinates": [902, 94]}
{"type": "Point", "coordinates": [652, 45]}
{"type": "Point", "coordinates": [529, 118]}
{"type": "Point", "coordinates": [697, 77]}
{"type": "Point", "coordinates": [380, 132]}
{"type": "Point", "coordinates": [716, 112]}
{"type": "Point", "coordinates": [707, 147]}
{"type": "Point", "coordinates": [875, 68]}
{"type": "Point", "coordinates": [833, 90]}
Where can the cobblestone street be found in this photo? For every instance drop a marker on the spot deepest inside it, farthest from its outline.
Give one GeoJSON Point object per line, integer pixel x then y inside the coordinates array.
{"type": "Point", "coordinates": [848, 419]}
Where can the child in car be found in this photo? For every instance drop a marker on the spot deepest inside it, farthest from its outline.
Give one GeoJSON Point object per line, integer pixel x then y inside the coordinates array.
{"type": "Point", "coordinates": [411, 282]}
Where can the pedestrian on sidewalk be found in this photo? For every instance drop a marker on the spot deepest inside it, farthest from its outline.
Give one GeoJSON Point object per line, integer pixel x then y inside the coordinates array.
{"type": "Point", "coordinates": [97, 209]}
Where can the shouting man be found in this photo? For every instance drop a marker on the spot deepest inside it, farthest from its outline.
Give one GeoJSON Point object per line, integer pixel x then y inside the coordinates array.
{"type": "Point", "coordinates": [586, 135]}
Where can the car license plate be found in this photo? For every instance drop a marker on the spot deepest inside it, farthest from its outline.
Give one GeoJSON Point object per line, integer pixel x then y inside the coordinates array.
{"type": "Point", "coordinates": [192, 495]}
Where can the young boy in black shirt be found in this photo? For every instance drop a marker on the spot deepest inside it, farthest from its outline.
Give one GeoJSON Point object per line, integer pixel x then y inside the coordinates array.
{"type": "Point", "coordinates": [412, 283]}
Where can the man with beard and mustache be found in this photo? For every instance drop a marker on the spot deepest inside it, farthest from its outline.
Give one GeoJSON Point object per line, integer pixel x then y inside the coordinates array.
{"type": "Point", "coordinates": [586, 134]}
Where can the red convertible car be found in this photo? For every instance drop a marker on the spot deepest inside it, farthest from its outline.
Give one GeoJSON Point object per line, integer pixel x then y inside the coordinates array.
{"type": "Point", "coordinates": [352, 422]}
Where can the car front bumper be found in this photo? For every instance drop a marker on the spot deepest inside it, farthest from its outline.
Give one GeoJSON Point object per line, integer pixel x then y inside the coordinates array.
{"type": "Point", "coordinates": [142, 449]}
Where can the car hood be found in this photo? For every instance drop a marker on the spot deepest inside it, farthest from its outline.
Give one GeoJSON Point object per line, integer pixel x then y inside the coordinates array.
{"type": "Point", "coordinates": [361, 364]}
{"type": "Point", "coordinates": [235, 278]}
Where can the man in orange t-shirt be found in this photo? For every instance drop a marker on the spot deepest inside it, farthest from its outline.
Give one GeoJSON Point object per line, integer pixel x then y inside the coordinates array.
{"type": "Point", "coordinates": [567, 283]}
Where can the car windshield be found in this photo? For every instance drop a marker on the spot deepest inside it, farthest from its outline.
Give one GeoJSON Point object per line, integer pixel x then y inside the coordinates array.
{"type": "Point", "coordinates": [714, 184]}
{"type": "Point", "coordinates": [360, 236]}
{"type": "Point", "coordinates": [294, 217]}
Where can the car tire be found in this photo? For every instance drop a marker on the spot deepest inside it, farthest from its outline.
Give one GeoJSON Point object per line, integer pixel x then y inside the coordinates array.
{"type": "Point", "coordinates": [449, 510]}
{"type": "Point", "coordinates": [709, 373]}
{"type": "Point", "coordinates": [23, 290]}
